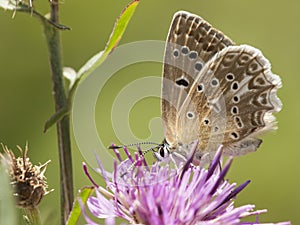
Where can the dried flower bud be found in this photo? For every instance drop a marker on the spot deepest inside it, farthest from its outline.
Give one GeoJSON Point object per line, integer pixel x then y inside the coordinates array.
{"type": "Point", "coordinates": [13, 4]}
{"type": "Point", "coordinates": [28, 180]}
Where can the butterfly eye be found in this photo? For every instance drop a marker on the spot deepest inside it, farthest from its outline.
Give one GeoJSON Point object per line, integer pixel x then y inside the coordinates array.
{"type": "Point", "coordinates": [162, 153]}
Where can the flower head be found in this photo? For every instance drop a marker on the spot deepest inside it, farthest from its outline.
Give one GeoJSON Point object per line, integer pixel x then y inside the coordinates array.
{"type": "Point", "coordinates": [160, 195]}
{"type": "Point", "coordinates": [28, 180]}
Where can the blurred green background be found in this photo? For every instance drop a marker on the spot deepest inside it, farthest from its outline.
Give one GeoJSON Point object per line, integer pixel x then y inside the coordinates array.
{"type": "Point", "coordinates": [26, 99]}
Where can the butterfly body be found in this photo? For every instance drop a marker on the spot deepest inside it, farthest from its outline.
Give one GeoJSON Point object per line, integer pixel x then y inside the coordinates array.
{"type": "Point", "coordinates": [214, 91]}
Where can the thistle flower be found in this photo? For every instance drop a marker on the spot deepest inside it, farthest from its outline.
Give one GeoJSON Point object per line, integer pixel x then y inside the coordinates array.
{"type": "Point", "coordinates": [160, 195]}
{"type": "Point", "coordinates": [28, 180]}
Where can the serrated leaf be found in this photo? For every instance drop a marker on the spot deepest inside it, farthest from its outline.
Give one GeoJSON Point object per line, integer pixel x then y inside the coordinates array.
{"type": "Point", "coordinates": [7, 204]}
{"type": "Point", "coordinates": [83, 194]}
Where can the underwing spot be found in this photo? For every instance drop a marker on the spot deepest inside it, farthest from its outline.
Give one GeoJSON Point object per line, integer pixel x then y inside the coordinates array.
{"type": "Point", "coordinates": [198, 66]}
{"type": "Point", "coordinates": [230, 77]}
{"type": "Point", "coordinates": [235, 86]}
{"type": "Point", "coordinates": [175, 53]}
{"type": "Point", "coordinates": [234, 110]}
{"type": "Point", "coordinates": [214, 82]}
{"type": "Point", "coordinates": [200, 88]}
{"type": "Point", "coordinates": [260, 81]}
{"type": "Point", "coordinates": [216, 129]}
{"type": "Point", "coordinates": [182, 82]}
{"type": "Point", "coordinates": [253, 66]}
{"type": "Point", "coordinates": [185, 50]}
{"type": "Point", "coordinates": [263, 98]}
{"type": "Point", "coordinates": [193, 55]}
{"type": "Point", "coordinates": [206, 121]}
{"type": "Point", "coordinates": [190, 115]}
{"type": "Point", "coordinates": [236, 99]}
{"type": "Point", "coordinates": [234, 135]}
{"type": "Point", "coordinates": [228, 59]}
{"type": "Point", "coordinates": [244, 59]}
{"type": "Point", "coordinates": [238, 122]}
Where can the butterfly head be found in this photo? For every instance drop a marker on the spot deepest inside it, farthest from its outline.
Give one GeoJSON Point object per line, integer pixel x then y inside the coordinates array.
{"type": "Point", "coordinates": [162, 151]}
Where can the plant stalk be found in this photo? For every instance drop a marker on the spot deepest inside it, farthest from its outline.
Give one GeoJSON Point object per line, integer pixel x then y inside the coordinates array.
{"type": "Point", "coordinates": [33, 216]}
{"type": "Point", "coordinates": [63, 126]}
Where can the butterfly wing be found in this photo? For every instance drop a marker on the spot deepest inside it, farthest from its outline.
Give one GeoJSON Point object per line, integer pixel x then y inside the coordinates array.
{"type": "Point", "coordinates": [234, 104]}
{"type": "Point", "coordinates": [191, 43]}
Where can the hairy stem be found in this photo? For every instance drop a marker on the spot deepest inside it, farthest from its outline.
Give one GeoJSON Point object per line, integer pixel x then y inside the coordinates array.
{"type": "Point", "coordinates": [63, 126]}
{"type": "Point", "coordinates": [33, 216]}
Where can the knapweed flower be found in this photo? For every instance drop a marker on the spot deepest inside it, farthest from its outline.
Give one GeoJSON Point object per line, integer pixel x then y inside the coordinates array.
{"type": "Point", "coordinates": [28, 180]}
{"type": "Point", "coordinates": [161, 195]}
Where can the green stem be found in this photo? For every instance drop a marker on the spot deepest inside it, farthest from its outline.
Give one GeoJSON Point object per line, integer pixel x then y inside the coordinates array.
{"type": "Point", "coordinates": [63, 126]}
{"type": "Point", "coordinates": [33, 216]}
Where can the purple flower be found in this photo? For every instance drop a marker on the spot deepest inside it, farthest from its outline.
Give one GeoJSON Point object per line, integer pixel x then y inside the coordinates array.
{"type": "Point", "coordinates": [160, 195]}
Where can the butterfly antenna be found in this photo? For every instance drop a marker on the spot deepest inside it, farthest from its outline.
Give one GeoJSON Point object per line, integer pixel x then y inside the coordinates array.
{"type": "Point", "coordinates": [134, 144]}
{"type": "Point", "coordinates": [135, 162]}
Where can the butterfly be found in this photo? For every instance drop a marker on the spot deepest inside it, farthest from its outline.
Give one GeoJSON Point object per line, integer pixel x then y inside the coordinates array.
{"type": "Point", "coordinates": [213, 91]}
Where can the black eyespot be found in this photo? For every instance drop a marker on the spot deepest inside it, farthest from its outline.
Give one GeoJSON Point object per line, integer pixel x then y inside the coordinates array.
{"type": "Point", "coordinates": [236, 99]}
{"type": "Point", "coordinates": [234, 135]}
{"type": "Point", "coordinates": [206, 121]}
{"type": "Point", "coordinates": [235, 86]}
{"type": "Point", "coordinates": [200, 87]}
{"type": "Point", "coordinates": [229, 76]}
{"type": "Point", "coordinates": [185, 50]}
{"type": "Point", "coordinates": [234, 110]}
{"type": "Point", "coordinates": [214, 82]}
{"type": "Point", "coordinates": [175, 53]}
{"type": "Point", "coordinates": [190, 115]}
{"type": "Point", "coordinates": [193, 55]}
{"type": "Point", "coordinates": [198, 66]}
{"type": "Point", "coordinates": [238, 122]}
{"type": "Point", "coordinates": [182, 82]}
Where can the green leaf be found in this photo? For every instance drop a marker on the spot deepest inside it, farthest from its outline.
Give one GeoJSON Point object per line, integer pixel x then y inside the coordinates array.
{"type": "Point", "coordinates": [83, 194]}
{"type": "Point", "coordinates": [115, 37]}
{"type": "Point", "coordinates": [57, 116]}
{"type": "Point", "coordinates": [7, 204]}
{"type": "Point", "coordinates": [94, 62]}
{"type": "Point", "coordinates": [70, 74]}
